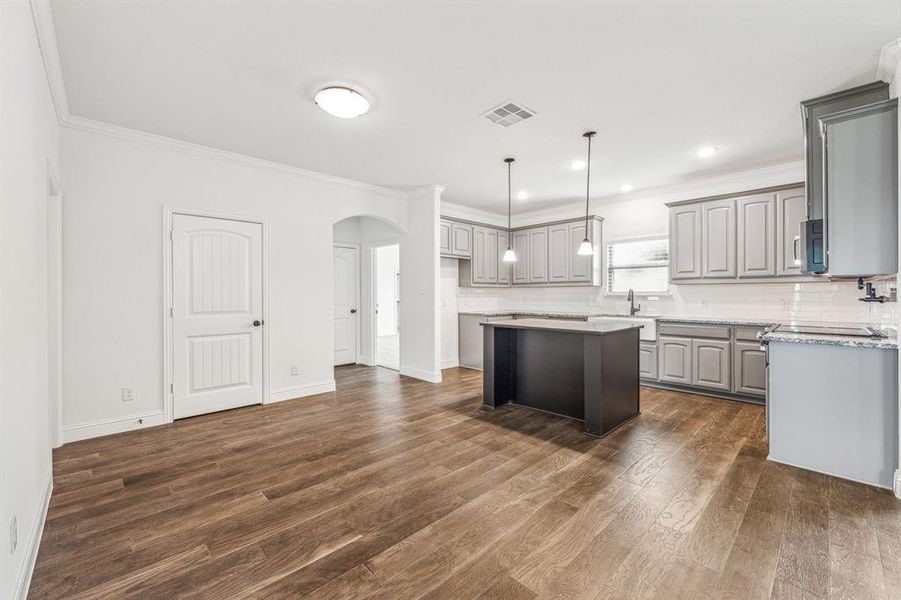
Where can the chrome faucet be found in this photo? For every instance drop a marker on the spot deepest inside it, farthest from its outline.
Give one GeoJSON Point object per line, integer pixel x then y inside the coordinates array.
{"type": "Point", "coordinates": [632, 308]}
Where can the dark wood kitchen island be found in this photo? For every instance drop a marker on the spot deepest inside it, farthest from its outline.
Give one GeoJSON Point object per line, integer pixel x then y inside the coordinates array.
{"type": "Point", "coordinates": [583, 370]}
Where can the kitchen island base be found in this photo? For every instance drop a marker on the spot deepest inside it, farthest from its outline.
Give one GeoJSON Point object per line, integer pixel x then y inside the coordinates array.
{"type": "Point", "coordinates": [585, 371]}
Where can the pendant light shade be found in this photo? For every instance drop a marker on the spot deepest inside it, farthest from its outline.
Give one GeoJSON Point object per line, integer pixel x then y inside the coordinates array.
{"type": "Point", "coordinates": [509, 254]}
{"type": "Point", "coordinates": [585, 248]}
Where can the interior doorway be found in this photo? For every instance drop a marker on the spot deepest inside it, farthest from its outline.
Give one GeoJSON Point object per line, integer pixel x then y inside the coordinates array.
{"type": "Point", "coordinates": [346, 294]}
{"type": "Point", "coordinates": [387, 306]}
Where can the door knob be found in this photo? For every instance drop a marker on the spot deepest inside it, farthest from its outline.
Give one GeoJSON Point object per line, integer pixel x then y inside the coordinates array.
{"type": "Point", "coordinates": [257, 323]}
{"type": "Point", "coordinates": [353, 311]}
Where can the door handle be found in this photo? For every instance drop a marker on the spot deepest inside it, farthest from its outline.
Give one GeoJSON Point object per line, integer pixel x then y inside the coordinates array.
{"type": "Point", "coordinates": [353, 311]}
{"type": "Point", "coordinates": [257, 323]}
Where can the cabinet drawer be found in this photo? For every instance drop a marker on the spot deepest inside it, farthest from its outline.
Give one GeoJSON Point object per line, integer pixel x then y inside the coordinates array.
{"type": "Point", "coordinates": [718, 332]}
{"type": "Point", "coordinates": [748, 334]}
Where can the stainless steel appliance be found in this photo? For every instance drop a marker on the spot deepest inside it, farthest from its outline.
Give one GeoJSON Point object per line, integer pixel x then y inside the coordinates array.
{"type": "Point", "coordinates": [836, 329]}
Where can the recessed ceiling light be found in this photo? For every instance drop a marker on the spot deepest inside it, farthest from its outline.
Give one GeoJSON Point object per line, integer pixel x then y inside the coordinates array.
{"type": "Point", "coordinates": [706, 151]}
{"type": "Point", "coordinates": [577, 165]}
{"type": "Point", "coordinates": [523, 195]}
{"type": "Point", "coordinates": [342, 102]}
{"type": "Point", "coordinates": [626, 187]}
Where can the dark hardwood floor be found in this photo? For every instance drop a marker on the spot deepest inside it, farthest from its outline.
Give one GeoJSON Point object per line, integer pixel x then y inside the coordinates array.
{"type": "Point", "coordinates": [393, 488]}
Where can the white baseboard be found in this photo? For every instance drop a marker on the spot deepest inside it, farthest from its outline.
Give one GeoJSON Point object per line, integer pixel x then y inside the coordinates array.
{"type": "Point", "coordinates": [430, 376]}
{"type": "Point", "coordinates": [84, 431]}
{"type": "Point", "coordinates": [302, 390]}
{"type": "Point", "coordinates": [836, 475]}
{"type": "Point", "coordinates": [897, 483]}
{"type": "Point", "coordinates": [366, 360]}
{"type": "Point", "coordinates": [23, 581]}
{"type": "Point", "coordinates": [450, 363]}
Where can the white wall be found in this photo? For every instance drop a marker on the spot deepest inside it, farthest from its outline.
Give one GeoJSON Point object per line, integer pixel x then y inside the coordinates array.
{"type": "Point", "coordinates": [450, 324]}
{"type": "Point", "coordinates": [113, 215]}
{"type": "Point", "coordinates": [29, 145]}
{"type": "Point", "coordinates": [420, 311]}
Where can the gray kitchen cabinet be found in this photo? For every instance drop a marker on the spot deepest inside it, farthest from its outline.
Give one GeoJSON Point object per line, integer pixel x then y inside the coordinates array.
{"type": "Point", "coordinates": [558, 253]}
{"type": "Point", "coordinates": [712, 364]}
{"type": "Point", "coordinates": [791, 208]}
{"type": "Point", "coordinates": [504, 270]}
{"type": "Point", "coordinates": [757, 236]}
{"type": "Point", "coordinates": [538, 255]}
{"type": "Point", "coordinates": [521, 266]}
{"type": "Point", "coordinates": [685, 241]}
{"type": "Point", "coordinates": [674, 356]}
{"type": "Point", "coordinates": [580, 268]}
{"type": "Point", "coordinates": [444, 235]}
{"type": "Point", "coordinates": [647, 360]}
{"type": "Point", "coordinates": [749, 369]}
{"type": "Point", "coordinates": [491, 257]}
{"type": "Point", "coordinates": [480, 255]}
{"type": "Point", "coordinates": [860, 190]}
{"type": "Point", "coordinates": [718, 242]}
{"type": "Point", "coordinates": [461, 239]}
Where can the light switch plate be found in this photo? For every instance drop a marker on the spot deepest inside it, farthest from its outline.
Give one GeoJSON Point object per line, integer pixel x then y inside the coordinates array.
{"type": "Point", "coordinates": [295, 369]}
{"type": "Point", "coordinates": [128, 394]}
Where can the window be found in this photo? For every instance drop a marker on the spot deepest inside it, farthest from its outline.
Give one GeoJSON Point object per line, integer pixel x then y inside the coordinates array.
{"type": "Point", "coordinates": [642, 265]}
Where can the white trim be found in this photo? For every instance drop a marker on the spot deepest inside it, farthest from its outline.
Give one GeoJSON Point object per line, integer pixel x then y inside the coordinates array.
{"type": "Point", "coordinates": [889, 58]}
{"type": "Point", "coordinates": [42, 13]}
{"type": "Point", "coordinates": [55, 342]}
{"type": "Point", "coordinates": [450, 363]}
{"type": "Point", "coordinates": [897, 483]}
{"type": "Point", "coordinates": [359, 314]}
{"type": "Point", "coordinates": [168, 341]}
{"type": "Point", "coordinates": [430, 376]}
{"type": "Point", "coordinates": [845, 477]}
{"type": "Point", "coordinates": [606, 262]}
{"type": "Point", "coordinates": [467, 213]}
{"type": "Point", "coordinates": [309, 389]}
{"type": "Point", "coordinates": [23, 580]}
{"type": "Point", "coordinates": [374, 301]}
{"type": "Point", "coordinates": [365, 359]}
{"type": "Point", "coordinates": [84, 431]}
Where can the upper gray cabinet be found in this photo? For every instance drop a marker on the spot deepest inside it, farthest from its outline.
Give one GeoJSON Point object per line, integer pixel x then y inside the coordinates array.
{"type": "Point", "coordinates": [504, 270]}
{"type": "Point", "coordinates": [860, 190]}
{"type": "Point", "coordinates": [521, 266]}
{"type": "Point", "coordinates": [751, 236]}
{"type": "Point", "coordinates": [455, 238]}
{"type": "Point", "coordinates": [811, 111]}
{"type": "Point", "coordinates": [581, 268]}
{"type": "Point", "coordinates": [757, 236]}
{"type": "Point", "coordinates": [558, 253]}
{"type": "Point", "coordinates": [480, 255]}
{"type": "Point", "coordinates": [491, 259]}
{"type": "Point", "coordinates": [538, 255]}
{"type": "Point", "coordinates": [718, 239]}
{"type": "Point", "coordinates": [444, 236]}
{"type": "Point", "coordinates": [685, 241]}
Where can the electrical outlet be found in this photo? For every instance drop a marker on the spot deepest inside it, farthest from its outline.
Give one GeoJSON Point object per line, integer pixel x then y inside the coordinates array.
{"type": "Point", "coordinates": [295, 369]}
{"type": "Point", "coordinates": [128, 394]}
{"type": "Point", "coordinates": [13, 535]}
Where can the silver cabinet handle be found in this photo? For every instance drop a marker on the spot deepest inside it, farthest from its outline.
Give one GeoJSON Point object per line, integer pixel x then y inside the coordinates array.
{"type": "Point", "coordinates": [795, 243]}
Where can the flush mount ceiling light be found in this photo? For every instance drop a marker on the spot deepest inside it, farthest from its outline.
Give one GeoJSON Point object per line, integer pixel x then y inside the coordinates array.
{"type": "Point", "coordinates": [626, 187]}
{"type": "Point", "coordinates": [585, 248]}
{"type": "Point", "coordinates": [577, 165]}
{"type": "Point", "coordinates": [523, 195]}
{"type": "Point", "coordinates": [706, 151]}
{"type": "Point", "coordinates": [342, 102]}
{"type": "Point", "coordinates": [509, 255]}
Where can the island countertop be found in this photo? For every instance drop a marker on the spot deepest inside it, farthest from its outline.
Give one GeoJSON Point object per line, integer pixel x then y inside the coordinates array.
{"type": "Point", "coordinates": [587, 327]}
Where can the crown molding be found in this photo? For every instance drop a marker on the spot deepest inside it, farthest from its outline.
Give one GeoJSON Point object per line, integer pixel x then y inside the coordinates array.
{"type": "Point", "coordinates": [42, 14]}
{"type": "Point", "coordinates": [451, 209]}
{"type": "Point", "coordinates": [889, 63]}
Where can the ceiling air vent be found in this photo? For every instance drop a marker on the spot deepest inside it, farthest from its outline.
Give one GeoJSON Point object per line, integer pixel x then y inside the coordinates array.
{"type": "Point", "coordinates": [509, 113]}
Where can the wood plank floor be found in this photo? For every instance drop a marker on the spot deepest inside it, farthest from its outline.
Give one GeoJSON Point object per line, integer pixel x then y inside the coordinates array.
{"type": "Point", "coordinates": [392, 488]}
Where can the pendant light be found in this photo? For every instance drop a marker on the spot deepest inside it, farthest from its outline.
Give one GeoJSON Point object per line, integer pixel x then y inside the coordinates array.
{"type": "Point", "coordinates": [585, 248]}
{"type": "Point", "coordinates": [509, 255]}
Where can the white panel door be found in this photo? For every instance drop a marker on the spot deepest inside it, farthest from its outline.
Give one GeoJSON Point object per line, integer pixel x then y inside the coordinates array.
{"type": "Point", "coordinates": [217, 314]}
{"type": "Point", "coordinates": [345, 301]}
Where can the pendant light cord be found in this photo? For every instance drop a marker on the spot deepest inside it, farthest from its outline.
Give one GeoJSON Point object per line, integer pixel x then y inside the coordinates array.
{"type": "Point", "coordinates": [589, 135]}
{"type": "Point", "coordinates": [509, 198]}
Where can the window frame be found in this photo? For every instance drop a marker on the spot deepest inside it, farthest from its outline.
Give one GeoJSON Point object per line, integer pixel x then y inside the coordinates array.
{"type": "Point", "coordinates": [607, 267]}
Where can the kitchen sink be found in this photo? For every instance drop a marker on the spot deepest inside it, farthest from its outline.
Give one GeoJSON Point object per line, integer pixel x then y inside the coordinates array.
{"type": "Point", "coordinates": [648, 333]}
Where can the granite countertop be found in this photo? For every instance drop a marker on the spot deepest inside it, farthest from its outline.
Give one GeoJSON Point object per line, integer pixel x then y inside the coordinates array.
{"type": "Point", "coordinates": [889, 342]}
{"type": "Point", "coordinates": [717, 321]}
{"type": "Point", "coordinates": [590, 327]}
{"type": "Point", "coordinates": [531, 313]}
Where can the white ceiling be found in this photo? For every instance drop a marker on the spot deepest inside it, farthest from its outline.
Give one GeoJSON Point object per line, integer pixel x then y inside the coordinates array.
{"type": "Point", "coordinates": [655, 79]}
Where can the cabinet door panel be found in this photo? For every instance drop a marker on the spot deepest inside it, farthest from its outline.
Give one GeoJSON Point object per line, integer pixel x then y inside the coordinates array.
{"type": "Point", "coordinates": [685, 242]}
{"type": "Point", "coordinates": [718, 239]}
{"type": "Point", "coordinates": [521, 266]}
{"type": "Point", "coordinates": [580, 267]}
{"type": "Point", "coordinates": [445, 236]}
{"type": "Point", "coordinates": [647, 361]}
{"type": "Point", "coordinates": [712, 364]}
{"type": "Point", "coordinates": [674, 360]}
{"type": "Point", "coordinates": [479, 255]}
{"type": "Point", "coordinates": [461, 239]}
{"type": "Point", "coordinates": [557, 252]}
{"type": "Point", "coordinates": [491, 256]}
{"type": "Point", "coordinates": [750, 369]}
{"type": "Point", "coordinates": [757, 236]}
{"type": "Point", "coordinates": [504, 270]}
{"type": "Point", "coordinates": [791, 209]}
{"type": "Point", "coordinates": [538, 255]}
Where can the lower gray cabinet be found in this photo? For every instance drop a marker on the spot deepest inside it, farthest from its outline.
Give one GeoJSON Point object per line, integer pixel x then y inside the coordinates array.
{"type": "Point", "coordinates": [749, 369]}
{"type": "Point", "coordinates": [674, 360]}
{"type": "Point", "coordinates": [712, 364]}
{"type": "Point", "coordinates": [647, 361]}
